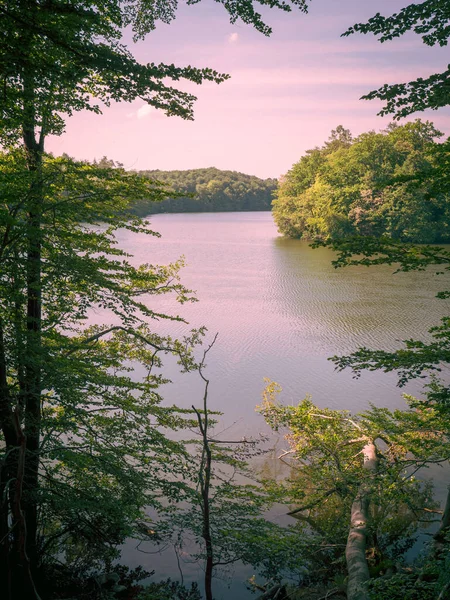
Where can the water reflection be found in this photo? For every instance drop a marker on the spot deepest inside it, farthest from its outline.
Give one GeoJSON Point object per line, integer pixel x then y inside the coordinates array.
{"type": "Point", "coordinates": [342, 309]}
{"type": "Point", "coordinates": [281, 310]}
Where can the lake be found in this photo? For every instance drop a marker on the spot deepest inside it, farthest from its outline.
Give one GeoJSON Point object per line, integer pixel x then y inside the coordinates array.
{"type": "Point", "coordinates": [280, 309]}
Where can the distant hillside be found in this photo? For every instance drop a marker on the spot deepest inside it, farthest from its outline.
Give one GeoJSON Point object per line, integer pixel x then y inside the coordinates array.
{"type": "Point", "coordinates": [214, 190]}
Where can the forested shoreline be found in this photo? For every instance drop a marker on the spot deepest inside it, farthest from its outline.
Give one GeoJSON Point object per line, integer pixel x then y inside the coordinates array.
{"type": "Point", "coordinates": [373, 185]}
{"type": "Point", "coordinates": [208, 190]}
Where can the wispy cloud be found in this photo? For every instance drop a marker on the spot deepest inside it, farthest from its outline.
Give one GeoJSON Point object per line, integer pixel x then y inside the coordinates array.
{"type": "Point", "coordinates": [144, 111]}
{"type": "Point", "coordinates": [233, 38]}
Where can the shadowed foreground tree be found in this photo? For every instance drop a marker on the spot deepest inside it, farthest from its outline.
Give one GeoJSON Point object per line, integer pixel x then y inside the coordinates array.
{"type": "Point", "coordinates": [76, 473]}
{"type": "Point", "coordinates": [57, 58]}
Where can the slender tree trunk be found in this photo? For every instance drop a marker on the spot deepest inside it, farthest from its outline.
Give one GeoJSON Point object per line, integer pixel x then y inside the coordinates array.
{"type": "Point", "coordinates": [16, 577]}
{"type": "Point", "coordinates": [24, 584]}
{"type": "Point", "coordinates": [207, 528]}
{"type": "Point", "coordinates": [33, 359]}
{"type": "Point", "coordinates": [355, 552]}
{"type": "Point", "coordinates": [444, 528]}
{"type": "Point", "coordinates": [33, 377]}
{"type": "Point", "coordinates": [205, 481]}
{"type": "Point", "coordinates": [7, 470]}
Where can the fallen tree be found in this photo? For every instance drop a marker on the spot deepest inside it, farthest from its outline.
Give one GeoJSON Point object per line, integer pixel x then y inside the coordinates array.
{"type": "Point", "coordinates": [353, 482]}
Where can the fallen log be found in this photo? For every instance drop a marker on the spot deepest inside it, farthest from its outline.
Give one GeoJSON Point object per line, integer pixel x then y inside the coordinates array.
{"type": "Point", "coordinates": [355, 552]}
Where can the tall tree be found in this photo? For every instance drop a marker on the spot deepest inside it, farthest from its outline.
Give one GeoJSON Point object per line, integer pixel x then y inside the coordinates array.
{"type": "Point", "coordinates": [99, 453]}
{"type": "Point", "coordinates": [56, 58]}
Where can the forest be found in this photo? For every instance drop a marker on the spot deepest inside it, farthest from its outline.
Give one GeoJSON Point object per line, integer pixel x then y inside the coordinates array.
{"type": "Point", "coordinates": [208, 190]}
{"type": "Point", "coordinates": [377, 184]}
{"type": "Point", "coordinates": [90, 453]}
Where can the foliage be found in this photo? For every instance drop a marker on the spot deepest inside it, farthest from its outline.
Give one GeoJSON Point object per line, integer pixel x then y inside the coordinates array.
{"type": "Point", "coordinates": [170, 590]}
{"type": "Point", "coordinates": [415, 359]}
{"type": "Point", "coordinates": [402, 587]}
{"type": "Point", "coordinates": [102, 453]}
{"type": "Point", "coordinates": [427, 581]}
{"type": "Point", "coordinates": [368, 186]}
{"type": "Point", "coordinates": [380, 226]}
{"type": "Point", "coordinates": [83, 448]}
{"type": "Point", "coordinates": [65, 57]}
{"type": "Point", "coordinates": [326, 456]}
{"type": "Point", "coordinates": [431, 20]}
{"type": "Point", "coordinates": [209, 190]}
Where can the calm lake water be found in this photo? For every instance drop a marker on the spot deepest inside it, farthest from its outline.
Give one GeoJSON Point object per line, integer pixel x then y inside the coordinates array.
{"type": "Point", "coordinates": [280, 310]}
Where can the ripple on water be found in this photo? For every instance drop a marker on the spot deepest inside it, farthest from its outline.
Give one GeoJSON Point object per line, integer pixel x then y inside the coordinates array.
{"type": "Point", "coordinates": [281, 310]}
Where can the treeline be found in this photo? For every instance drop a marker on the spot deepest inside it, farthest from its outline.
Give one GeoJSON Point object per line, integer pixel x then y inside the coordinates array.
{"type": "Point", "coordinates": [377, 184]}
{"type": "Point", "coordinates": [208, 190]}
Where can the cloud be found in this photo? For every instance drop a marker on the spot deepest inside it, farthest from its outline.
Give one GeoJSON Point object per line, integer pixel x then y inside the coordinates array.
{"type": "Point", "coordinates": [144, 111]}
{"type": "Point", "coordinates": [233, 38]}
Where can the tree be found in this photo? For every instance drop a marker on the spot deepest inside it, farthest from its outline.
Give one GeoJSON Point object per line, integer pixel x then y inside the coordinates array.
{"type": "Point", "coordinates": [222, 521]}
{"type": "Point", "coordinates": [353, 481]}
{"type": "Point", "coordinates": [368, 186]}
{"type": "Point", "coordinates": [430, 19]}
{"type": "Point", "coordinates": [57, 58]}
{"type": "Point", "coordinates": [100, 455]}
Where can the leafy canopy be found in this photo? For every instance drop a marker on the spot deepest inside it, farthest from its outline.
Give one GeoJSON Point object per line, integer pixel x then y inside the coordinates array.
{"type": "Point", "coordinates": [376, 184]}
{"type": "Point", "coordinates": [58, 58]}
{"type": "Point", "coordinates": [209, 190]}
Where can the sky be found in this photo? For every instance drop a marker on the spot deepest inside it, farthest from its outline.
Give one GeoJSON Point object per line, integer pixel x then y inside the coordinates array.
{"type": "Point", "coordinates": [286, 92]}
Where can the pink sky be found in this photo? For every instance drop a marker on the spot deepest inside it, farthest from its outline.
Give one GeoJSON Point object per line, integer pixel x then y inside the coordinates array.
{"type": "Point", "coordinates": [285, 94]}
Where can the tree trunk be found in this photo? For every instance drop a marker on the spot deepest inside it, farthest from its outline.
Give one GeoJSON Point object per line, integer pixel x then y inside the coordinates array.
{"type": "Point", "coordinates": [33, 359]}
{"type": "Point", "coordinates": [207, 528]}
{"type": "Point", "coordinates": [355, 552]}
{"type": "Point", "coordinates": [7, 470]}
{"type": "Point", "coordinates": [33, 384]}
{"type": "Point", "coordinates": [205, 481]}
{"type": "Point", "coordinates": [444, 528]}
